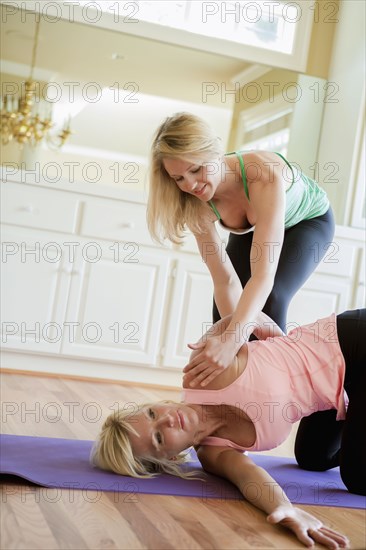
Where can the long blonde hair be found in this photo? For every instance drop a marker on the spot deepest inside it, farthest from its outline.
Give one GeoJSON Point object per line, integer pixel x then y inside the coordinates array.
{"type": "Point", "coordinates": [112, 450]}
{"type": "Point", "coordinates": [169, 210]}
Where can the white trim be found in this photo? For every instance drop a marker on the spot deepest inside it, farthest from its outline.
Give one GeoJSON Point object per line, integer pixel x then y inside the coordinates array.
{"type": "Point", "coordinates": [356, 198]}
{"type": "Point", "coordinates": [297, 60]}
{"type": "Point", "coordinates": [351, 233]}
{"type": "Point", "coordinates": [103, 154]}
{"type": "Point", "coordinates": [23, 70]}
{"type": "Point", "coordinates": [248, 75]}
{"type": "Point", "coordinates": [302, 40]}
{"type": "Point", "coordinates": [357, 219]}
{"type": "Point", "coordinates": [260, 114]}
{"type": "Point", "coordinates": [105, 370]}
{"type": "Point", "coordinates": [13, 173]}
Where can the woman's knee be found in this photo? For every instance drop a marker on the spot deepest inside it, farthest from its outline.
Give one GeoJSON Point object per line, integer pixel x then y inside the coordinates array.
{"type": "Point", "coordinates": [318, 441]}
{"type": "Point", "coordinates": [354, 478]}
{"type": "Point", "coordinates": [310, 461]}
{"type": "Point", "coordinates": [305, 456]}
{"type": "Point", "coordinates": [303, 461]}
{"type": "Point", "coordinates": [353, 453]}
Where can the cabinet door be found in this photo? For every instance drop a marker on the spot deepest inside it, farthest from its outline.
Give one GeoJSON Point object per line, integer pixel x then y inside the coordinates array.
{"type": "Point", "coordinates": [360, 293]}
{"type": "Point", "coordinates": [319, 297]}
{"type": "Point", "coordinates": [191, 310]}
{"type": "Point", "coordinates": [116, 303]}
{"type": "Point", "coordinates": [34, 288]}
{"type": "Point", "coordinates": [337, 283]}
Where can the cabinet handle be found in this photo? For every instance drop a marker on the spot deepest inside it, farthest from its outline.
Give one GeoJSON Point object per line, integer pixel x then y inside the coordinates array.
{"type": "Point", "coordinates": [127, 225]}
{"type": "Point", "coordinates": [29, 209]}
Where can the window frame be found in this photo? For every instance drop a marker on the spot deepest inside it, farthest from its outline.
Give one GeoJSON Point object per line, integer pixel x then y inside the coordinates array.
{"type": "Point", "coordinates": [260, 114]}
{"type": "Point", "coordinates": [358, 212]}
{"type": "Point", "coordinates": [296, 61]}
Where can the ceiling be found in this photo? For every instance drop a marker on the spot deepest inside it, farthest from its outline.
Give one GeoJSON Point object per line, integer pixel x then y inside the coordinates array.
{"type": "Point", "coordinates": [83, 53]}
{"type": "Point", "coordinates": [166, 78]}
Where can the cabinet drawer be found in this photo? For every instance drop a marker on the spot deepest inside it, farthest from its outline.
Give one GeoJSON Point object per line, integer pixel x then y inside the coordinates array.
{"type": "Point", "coordinates": [38, 207]}
{"type": "Point", "coordinates": [119, 222]}
{"type": "Point", "coordinates": [339, 259]}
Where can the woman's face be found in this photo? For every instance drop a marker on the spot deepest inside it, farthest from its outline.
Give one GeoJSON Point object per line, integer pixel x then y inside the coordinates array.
{"type": "Point", "coordinates": [164, 430]}
{"type": "Point", "coordinates": [199, 180]}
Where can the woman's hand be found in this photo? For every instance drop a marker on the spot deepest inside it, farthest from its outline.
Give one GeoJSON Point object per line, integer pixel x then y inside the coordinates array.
{"type": "Point", "coordinates": [215, 355]}
{"type": "Point", "coordinates": [307, 528]}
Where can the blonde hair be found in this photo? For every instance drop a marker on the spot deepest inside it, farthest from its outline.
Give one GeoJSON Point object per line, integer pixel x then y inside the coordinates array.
{"type": "Point", "coordinates": [112, 450]}
{"type": "Point", "coordinates": [169, 210]}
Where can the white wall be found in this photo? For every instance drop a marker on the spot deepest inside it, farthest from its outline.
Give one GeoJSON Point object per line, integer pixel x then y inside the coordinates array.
{"type": "Point", "coordinates": [111, 142]}
{"type": "Point", "coordinates": [343, 108]}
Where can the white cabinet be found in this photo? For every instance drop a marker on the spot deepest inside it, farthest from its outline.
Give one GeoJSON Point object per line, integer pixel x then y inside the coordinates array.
{"type": "Point", "coordinates": [190, 310]}
{"type": "Point", "coordinates": [116, 303]}
{"type": "Point", "coordinates": [360, 299]}
{"type": "Point", "coordinates": [85, 291]}
{"type": "Point", "coordinates": [41, 208]}
{"type": "Point", "coordinates": [115, 221]}
{"type": "Point", "coordinates": [318, 298]}
{"type": "Point", "coordinates": [338, 282]}
{"type": "Point", "coordinates": [90, 289]}
{"type": "Point", "coordinates": [34, 289]}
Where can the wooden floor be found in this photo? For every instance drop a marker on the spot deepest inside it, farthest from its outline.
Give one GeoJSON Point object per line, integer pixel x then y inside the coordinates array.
{"type": "Point", "coordinates": [38, 518]}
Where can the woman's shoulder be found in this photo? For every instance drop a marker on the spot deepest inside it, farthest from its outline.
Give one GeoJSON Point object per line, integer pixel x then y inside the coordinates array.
{"type": "Point", "coordinates": [261, 158]}
{"type": "Point", "coordinates": [263, 166]}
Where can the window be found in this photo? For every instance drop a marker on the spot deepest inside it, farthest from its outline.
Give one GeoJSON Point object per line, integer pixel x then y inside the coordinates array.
{"type": "Point", "coordinates": [263, 23]}
{"type": "Point", "coordinates": [277, 141]}
{"type": "Point", "coordinates": [265, 127]}
{"type": "Point", "coordinates": [274, 32]}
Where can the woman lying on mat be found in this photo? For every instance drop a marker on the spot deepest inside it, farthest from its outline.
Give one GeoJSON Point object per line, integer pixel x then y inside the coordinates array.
{"type": "Point", "coordinates": [251, 406]}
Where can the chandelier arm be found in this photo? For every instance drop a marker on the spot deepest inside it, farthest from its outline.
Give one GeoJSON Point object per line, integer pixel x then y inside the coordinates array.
{"type": "Point", "coordinates": [35, 46]}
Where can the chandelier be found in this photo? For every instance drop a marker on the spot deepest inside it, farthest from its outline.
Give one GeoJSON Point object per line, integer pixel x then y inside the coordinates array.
{"type": "Point", "coordinates": [21, 120]}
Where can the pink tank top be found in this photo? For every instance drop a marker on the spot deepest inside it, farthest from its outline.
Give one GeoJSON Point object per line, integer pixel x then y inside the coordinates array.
{"type": "Point", "coordinates": [285, 379]}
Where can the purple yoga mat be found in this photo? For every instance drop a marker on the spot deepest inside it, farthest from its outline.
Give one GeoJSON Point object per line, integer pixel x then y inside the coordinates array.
{"type": "Point", "coordinates": [64, 463]}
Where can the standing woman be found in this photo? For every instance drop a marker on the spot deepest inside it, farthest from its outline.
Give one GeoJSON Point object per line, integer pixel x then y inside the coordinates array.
{"type": "Point", "coordinates": [280, 225]}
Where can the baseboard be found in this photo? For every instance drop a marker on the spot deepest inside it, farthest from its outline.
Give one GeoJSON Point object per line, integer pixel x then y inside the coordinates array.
{"type": "Point", "coordinates": [52, 366]}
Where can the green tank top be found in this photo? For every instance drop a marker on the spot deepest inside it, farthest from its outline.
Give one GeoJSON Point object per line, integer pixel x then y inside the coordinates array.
{"type": "Point", "coordinates": [304, 198]}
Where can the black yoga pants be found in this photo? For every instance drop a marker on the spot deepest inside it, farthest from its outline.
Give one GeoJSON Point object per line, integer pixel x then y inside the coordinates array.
{"type": "Point", "coordinates": [322, 442]}
{"type": "Point", "coordinates": [304, 246]}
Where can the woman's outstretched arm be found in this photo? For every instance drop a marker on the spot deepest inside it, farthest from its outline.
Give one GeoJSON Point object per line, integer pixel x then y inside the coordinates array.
{"type": "Point", "coordinates": [264, 327]}
{"type": "Point", "coordinates": [268, 201]}
{"type": "Point", "coordinates": [261, 490]}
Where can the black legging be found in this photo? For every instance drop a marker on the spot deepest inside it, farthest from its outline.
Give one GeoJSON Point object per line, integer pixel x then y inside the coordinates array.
{"type": "Point", "coordinates": [322, 442]}
{"type": "Point", "coordinates": [303, 247]}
